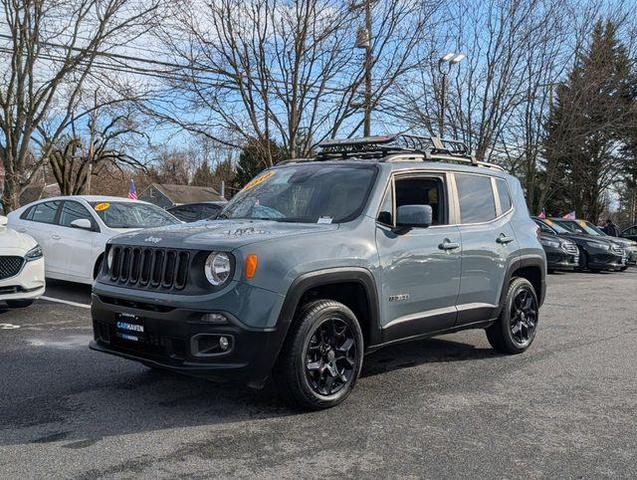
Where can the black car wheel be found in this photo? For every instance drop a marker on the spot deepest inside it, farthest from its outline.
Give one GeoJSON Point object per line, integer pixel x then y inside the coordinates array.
{"type": "Point", "coordinates": [515, 329]}
{"type": "Point", "coordinates": [322, 356]}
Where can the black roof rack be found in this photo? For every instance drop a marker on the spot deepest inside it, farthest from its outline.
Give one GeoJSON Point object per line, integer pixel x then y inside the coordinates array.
{"type": "Point", "coordinates": [382, 147]}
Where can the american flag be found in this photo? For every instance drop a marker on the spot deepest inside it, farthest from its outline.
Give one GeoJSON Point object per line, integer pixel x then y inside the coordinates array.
{"type": "Point", "coordinates": [132, 193]}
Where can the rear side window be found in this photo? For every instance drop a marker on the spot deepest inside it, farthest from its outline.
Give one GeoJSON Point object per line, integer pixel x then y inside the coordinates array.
{"type": "Point", "coordinates": [503, 193]}
{"type": "Point", "coordinates": [475, 196]}
{"type": "Point", "coordinates": [44, 212]}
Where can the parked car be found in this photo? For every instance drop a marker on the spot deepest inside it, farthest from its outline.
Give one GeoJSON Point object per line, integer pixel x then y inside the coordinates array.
{"type": "Point", "coordinates": [378, 240]}
{"type": "Point", "coordinates": [73, 231]}
{"type": "Point", "coordinates": [596, 254]}
{"type": "Point", "coordinates": [587, 228]}
{"type": "Point", "coordinates": [193, 212]}
{"type": "Point", "coordinates": [21, 268]}
{"type": "Point", "coordinates": [561, 253]}
{"type": "Point", "coordinates": [630, 233]}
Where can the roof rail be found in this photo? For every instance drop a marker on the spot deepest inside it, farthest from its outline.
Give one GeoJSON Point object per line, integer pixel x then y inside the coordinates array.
{"type": "Point", "coordinates": [380, 147]}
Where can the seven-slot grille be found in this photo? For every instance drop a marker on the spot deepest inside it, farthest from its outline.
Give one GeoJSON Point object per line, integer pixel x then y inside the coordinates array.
{"type": "Point", "coordinates": [10, 266]}
{"type": "Point", "coordinates": [145, 267]}
{"type": "Point", "coordinates": [570, 248]}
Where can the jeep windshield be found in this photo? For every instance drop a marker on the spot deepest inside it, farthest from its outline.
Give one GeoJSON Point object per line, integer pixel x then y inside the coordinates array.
{"type": "Point", "coordinates": [132, 215]}
{"type": "Point", "coordinates": [305, 194]}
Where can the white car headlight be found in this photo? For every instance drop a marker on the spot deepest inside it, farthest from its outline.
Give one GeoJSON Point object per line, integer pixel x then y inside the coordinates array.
{"type": "Point", "coordinates": [34, 254]}
{"type": "Point", "coordinates": [218, 268]}
{"type": "Point", "coordinates": [550, 243]}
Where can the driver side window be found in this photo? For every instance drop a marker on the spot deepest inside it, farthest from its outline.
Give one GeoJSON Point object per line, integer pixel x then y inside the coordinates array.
{"type": "Point", "coordinates": [423, 191]}
{"type": "Point", "coordinates": [74, 211]}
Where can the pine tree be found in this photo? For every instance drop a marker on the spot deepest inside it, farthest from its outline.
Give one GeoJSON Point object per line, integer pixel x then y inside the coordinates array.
{"type": "Point", "coordinates": [588, 119]}
{"type": "Point", "coordinates": [203, 176]}
{"type": "Point", "coordinates": [253, 159]}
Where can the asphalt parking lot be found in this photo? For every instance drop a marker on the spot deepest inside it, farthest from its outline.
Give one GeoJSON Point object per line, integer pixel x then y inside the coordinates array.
{"type": "Point", "coordinates": [442, 408]}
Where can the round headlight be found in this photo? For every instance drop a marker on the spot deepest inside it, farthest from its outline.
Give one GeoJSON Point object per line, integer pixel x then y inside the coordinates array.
{"type": "Point", "coordinates": [109, 258]}
{"type": "Point", "coordinates": [217, 268]}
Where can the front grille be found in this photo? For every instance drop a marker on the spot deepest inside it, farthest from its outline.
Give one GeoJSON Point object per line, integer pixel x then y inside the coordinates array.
{"type": "Point", "coordinates": [149, 268]}
{"type": "Point", "coordinates": [10, 266]}
{"type": "Point", "coordinates": [570, 248]}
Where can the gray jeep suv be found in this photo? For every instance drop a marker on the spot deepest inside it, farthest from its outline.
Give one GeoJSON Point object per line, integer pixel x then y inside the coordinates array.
{"type": "Point", "coordinates": [317, 262]}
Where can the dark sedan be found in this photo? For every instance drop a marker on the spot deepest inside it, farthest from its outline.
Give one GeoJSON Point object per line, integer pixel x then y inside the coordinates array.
{"type": "Point", "coordinates": [596, 254]}
{"type": "Point", "coordinates": [630, 233]}
{"type": "Point", "coordinates": [587, 228]}
{"type": "Point", "coordinates": [561, 253]}
{"type": "Point", "coordinates": [193, 212]}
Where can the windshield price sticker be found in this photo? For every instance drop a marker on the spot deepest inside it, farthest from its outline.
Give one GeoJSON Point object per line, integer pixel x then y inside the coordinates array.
{"type": "Point", "coordinates": [258, 180]}
{"type": "Point", "coordinates": [324, 220]}
{"type": "Point", "coordinates": [100, 207]}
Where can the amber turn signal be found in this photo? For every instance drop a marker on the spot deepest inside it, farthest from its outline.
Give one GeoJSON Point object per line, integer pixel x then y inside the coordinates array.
{"type": "Point", "coordinates": [251, 265]}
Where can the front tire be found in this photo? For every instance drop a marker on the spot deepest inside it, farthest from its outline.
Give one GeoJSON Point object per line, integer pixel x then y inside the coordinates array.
{"type": "Point", "coordinates": [515, 329]}
{"type": "Point", "coordinates": [322, 356]}
{"type": "Point", "coordinates": [19, 303]}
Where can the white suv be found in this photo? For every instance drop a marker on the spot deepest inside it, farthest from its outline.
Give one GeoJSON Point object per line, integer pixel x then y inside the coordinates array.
{"type": "Point", "coordinates": [21, 267]}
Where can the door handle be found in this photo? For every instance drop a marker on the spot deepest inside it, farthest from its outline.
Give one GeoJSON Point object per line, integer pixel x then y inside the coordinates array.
{"type": "Point", "coordinates": [56, 237]}
{"type": "Point", "coordinates": [504, 239]}
{"type": "Point", "coordinates": [448, 245]}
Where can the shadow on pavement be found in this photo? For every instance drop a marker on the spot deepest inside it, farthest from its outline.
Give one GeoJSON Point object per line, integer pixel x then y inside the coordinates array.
{"type": "Point", "coordinates": [82, 396]}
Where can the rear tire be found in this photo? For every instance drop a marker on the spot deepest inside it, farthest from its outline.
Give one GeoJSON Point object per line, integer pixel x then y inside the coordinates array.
{"type": "Point", "coordinates": [322, 356]}
{"type": "Point", "coordinates": [19, 303]}
{"type": "Point", "coordinates": [515, 328]}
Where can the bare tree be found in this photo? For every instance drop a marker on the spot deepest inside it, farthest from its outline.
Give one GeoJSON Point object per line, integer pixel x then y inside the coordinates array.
{"type": "Point", "coordinates": [49, 52]}
{"type": "Point", "coordinates": [84, 152]}
{"type": "Point", "coordinates": [263, 70]}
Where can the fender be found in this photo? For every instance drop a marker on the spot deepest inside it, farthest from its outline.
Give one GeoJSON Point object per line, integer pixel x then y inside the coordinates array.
{"type": "Point", "coordinates": [531, 260]}
{"type": "Point", "coordinates": [319, 278]}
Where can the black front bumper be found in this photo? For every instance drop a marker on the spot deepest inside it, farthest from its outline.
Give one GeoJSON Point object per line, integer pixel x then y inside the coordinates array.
{"type": "Point", "coordinates": [173, 340]}
{"type": "Point", "coordinates": [558, 259]}
{"type": "Point", "coordinates": [606, 261]}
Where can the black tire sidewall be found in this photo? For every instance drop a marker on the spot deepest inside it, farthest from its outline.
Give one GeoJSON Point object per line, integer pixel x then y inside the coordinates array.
{"type": "Point", "coordinates": [311, 317]}
{"type": "Point", "coordinates": [504, 327]}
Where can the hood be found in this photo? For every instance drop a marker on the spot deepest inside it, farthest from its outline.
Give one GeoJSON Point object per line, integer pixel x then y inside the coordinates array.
{"type": "Point", "coordinates": [218, 234]}
{"type": "Point", "coordinates": [624, 242]}
{"type": "Point", "coordinates": [14, 243]}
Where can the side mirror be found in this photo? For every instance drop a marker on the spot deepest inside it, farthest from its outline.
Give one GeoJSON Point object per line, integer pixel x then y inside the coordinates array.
{"type": "Point", "coordinates": [3, 220]}
{"type": "Point", "coordinates": [83, 223]}
{"type": "Point", "coordinates": [419, 216]}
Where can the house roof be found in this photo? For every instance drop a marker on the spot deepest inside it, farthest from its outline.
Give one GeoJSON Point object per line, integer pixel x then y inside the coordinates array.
{"type": "Point", "coordinates": [180, 194]}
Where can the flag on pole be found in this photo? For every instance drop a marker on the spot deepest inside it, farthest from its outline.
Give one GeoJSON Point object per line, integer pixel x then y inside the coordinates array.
{"type": "Point", "coordinates": [542, 214]}
{"type": "Point", "coordinates": [570, 215]}
{"type": "Point", "coordinates": [132, 193]}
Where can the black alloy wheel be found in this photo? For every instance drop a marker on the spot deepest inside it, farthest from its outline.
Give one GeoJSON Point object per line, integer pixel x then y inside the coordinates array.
{"type": "Point", "coordinates": [516, 327]}
{"type": "Point", "coordinates": [330, 357]}
{"type": "Point", "coordinates": [322, 356]}
{"type": "Point", "coordinates": [524, 315]}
